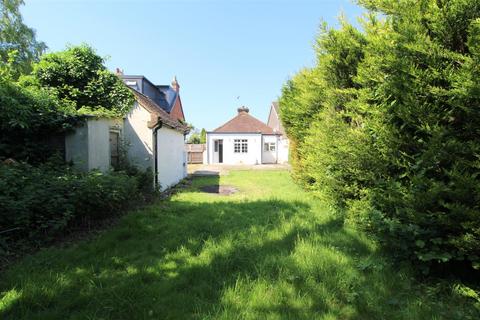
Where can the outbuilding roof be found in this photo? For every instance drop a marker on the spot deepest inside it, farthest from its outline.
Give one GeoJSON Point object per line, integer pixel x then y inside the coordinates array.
{"type": "Point", "coordinates": [244, 123]}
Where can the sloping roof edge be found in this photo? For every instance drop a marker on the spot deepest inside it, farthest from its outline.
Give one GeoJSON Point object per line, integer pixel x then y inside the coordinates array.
{"type": "Point", "coordinates": [158, 114]}
{"type": "Point", "coordinates": [261, 127]}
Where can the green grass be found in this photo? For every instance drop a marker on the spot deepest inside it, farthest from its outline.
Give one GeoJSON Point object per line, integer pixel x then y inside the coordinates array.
{"type": "Point", "coordinates": [268, 252]}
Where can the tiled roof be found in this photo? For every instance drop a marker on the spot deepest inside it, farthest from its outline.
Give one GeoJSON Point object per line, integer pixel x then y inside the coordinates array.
{"type": "Point", "coordinates": [158, 114]}
{"type": "Point", "coordinates": [244, 123]}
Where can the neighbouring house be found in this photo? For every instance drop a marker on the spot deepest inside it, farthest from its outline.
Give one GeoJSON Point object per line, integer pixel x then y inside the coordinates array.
{"type": "Point", "coordinates": [151, 136]}
{"type": "Point", "coordinates": [244, 140]}
{"type": "Point", "coordinates": [275, 123]}
{"type": "Point", "coordinates": [166, 97]}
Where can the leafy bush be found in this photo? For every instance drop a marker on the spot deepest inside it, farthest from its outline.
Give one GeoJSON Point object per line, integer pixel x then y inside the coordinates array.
{"type": "Point", "coordinates": [29, 122]}
{"type": "Point", "coordinates": [386, 126]}
{"type": "Point", "coordinates": [38, 203]}
{"type": "Point", "coordinates": [78, 77]}
{"type": "Point", "coordinates": [97, 195]}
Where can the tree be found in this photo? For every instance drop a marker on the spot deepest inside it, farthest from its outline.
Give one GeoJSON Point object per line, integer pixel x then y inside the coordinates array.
{"type": "Point", "coordinates": [194, 138]}
{"type": "Point", "coordinates": [16, 37]}
{"type": "Point", "coordinates": [203, 136]}
{"type": "Point", "coordinates": [79, 78]}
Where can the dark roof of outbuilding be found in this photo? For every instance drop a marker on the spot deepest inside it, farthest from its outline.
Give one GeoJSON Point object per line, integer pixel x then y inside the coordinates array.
{"type": "Point", "coordinates": [244, 123]}
{"type": "Point", "coordinates": [158, 114]}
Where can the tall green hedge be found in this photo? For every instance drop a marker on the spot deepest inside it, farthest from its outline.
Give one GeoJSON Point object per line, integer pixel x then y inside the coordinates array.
{"type": "Point", "coordinates": [386, 126]}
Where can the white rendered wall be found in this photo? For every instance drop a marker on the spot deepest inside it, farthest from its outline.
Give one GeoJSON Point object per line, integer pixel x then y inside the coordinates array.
{"type": "Point", "coordinates": [99, 144]}
{"type": "Point", "coordinates": [171, 157]}
{"type": "Point", "coordinates": [76, 147]}
{"type": "Point", "coordinates": [254, 155]}
{"type": "Point", "coordinates": [88, 147]}
{"type": "Point", "coordinates": [138, 138]}
{"type": "Point", "coordinates": [283, 148]}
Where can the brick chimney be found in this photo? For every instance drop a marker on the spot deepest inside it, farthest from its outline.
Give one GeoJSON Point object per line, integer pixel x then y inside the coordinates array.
{"type": "Point", "coordinates": [243, 109]}
{"type": "Point", "coordinates": [119, 72]}
{"type": "Point", "coordinates": [175, 84]}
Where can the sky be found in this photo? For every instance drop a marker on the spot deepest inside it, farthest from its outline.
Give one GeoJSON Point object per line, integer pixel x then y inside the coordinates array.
{"type": "Point", "coordinates": [225, 53]}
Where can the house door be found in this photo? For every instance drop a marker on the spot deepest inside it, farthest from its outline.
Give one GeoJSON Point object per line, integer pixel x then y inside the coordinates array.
{"type": "Point", "coordinates": [218, 151]}
{"type": "Point", "coordinates": [269, 151]}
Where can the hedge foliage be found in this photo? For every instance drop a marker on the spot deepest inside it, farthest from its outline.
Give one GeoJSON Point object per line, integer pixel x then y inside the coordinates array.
{"type": "Point", "coordinates": [386, 125]}
{"type": "Point", "coordinates": [38, 203]}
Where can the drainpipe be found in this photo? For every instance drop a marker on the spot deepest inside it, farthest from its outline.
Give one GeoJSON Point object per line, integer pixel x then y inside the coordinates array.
{"type": "Point", "coordinates": [155, 155]}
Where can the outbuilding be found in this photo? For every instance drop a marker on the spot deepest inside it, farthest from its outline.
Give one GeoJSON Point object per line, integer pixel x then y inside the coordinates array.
{"type": "Point", "coordinates": [150, 137]}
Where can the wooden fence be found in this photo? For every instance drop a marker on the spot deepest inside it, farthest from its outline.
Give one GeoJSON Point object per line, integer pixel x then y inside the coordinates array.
{"type": "Point", "coordinates": [195, 152]}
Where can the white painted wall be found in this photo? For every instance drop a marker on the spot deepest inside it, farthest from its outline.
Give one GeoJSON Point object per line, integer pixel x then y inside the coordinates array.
{"type": "Point", "coordinates": [139, 138]}
{"type": "Point", "coordinates": [171, 157]}
{"type": "Point", "coordinates": [76, 147]}
{"type": "Point", "coordinates": [254, 155]}
{"type": "Point", "coordinates": [88, 147]}
{"type": "Point", "coordinates": [99, 144]}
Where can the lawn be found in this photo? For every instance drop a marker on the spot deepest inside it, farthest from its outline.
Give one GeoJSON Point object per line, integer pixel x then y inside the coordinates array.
{"type": "Point", "coordinates": [269, 251]}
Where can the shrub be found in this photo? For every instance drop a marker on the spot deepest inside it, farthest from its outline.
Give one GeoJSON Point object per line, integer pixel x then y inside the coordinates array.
{"type": "Point", "coordinates": [96, 195]}
{"type": "Point", "coordinates": [34, 203]}
{"type": "Point", "coordinates": [39, 203]}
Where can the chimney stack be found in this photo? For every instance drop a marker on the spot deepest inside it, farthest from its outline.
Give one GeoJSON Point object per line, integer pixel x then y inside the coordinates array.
{"type": "Point", "coordinates": [119, 72]}
{"type": "Point", "coordinates": [243, 109]}
{"type": "Point", "coordinates": [175, 84]}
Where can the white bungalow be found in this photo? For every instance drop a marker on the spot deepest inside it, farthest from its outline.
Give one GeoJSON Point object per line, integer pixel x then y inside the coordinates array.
{"type": "Point", "coordinates": [245, 140]}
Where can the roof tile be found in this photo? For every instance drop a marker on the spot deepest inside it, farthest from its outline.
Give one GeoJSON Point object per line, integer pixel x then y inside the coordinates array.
{"type": "Point", "coordinates": [244, 123]}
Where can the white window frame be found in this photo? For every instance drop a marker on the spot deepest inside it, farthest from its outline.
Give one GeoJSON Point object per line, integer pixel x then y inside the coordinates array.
{"type": "Point", "coordinates": [269, 146]}
{"type": "Point", "coordinates": [240, 145]}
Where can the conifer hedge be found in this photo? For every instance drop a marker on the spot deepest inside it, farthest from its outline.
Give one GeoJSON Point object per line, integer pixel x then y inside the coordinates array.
{"type": "Point", "coordinates": [386, 126]}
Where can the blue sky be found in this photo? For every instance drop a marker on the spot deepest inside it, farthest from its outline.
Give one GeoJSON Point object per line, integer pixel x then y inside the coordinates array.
{"type": "Point", "coordinates": [219, 50]}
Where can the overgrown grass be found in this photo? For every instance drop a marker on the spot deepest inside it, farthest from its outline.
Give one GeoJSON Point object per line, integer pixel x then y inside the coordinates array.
{"type": "Point", "coordinates": [268, 252]}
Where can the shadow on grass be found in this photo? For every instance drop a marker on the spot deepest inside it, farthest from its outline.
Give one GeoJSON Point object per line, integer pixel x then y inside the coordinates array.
{"type": "Point", "coordinates": [181, 260]}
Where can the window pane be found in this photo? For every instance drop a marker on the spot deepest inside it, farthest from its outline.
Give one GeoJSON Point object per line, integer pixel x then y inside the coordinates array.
{"type": "Point", "coordinates": [244, 147]}
{"type": "Point", "coordinates": [236, 145]}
